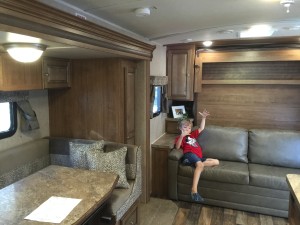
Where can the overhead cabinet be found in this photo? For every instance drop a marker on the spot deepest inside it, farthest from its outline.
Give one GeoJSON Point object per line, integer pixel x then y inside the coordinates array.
{"type": "Point", "coordinates": [16, 76]}
{"type": "Point", "coordinates": [43, 74]}
{"type": "Point", "coordinates": [56, 73]}
{"type": "Point", "coordinates": [180, 71]}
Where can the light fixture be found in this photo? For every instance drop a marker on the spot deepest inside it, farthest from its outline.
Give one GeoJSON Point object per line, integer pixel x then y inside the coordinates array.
{"type": "Point", "coordinates": [261, 30]}
{"type": "Point", "coordinates": [207, 43]}
{"type": "Point", "coordinates": [287, 4]}
{"type": "Point", "coordinates": [25, 52]}
{"type": "Point", "coordinates": [141, 12]}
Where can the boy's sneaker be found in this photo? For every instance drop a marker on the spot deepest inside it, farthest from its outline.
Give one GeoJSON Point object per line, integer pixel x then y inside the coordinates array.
{"type": "Point", "coordinates": [197, 197]}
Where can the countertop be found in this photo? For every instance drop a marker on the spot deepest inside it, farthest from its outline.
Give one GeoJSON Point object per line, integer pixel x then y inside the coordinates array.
{"type": "Point", "coordinates": [19, 199]}
{"type": "Point", "coordinates": [294, 184]}
{"type": "Point", "coordinates": [165, 141]}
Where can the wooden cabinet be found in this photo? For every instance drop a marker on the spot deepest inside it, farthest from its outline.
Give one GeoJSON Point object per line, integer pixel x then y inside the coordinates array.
{"type": "Point", "coordinates": [294, 204]}
{"type": "Point", "coordinates": [16, 76]}
{"type": "Point", "coordinates": [180, 71]}
{"type": "Point", "coordinates": [131, 217]}
{"type": "Point", "coordinates": [56, 73]}
{"type": "Point", "coordinates": [101, 102]}
{"type": "Point", "coordinates": [160, 171]}
{"type": "Point", "coordinates": [129, 76]}
{"type": "Point", "coordinates": [42, 74]}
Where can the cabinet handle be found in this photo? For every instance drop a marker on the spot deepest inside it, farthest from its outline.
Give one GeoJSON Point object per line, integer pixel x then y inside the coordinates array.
{"type": "Point", "coordinates": [132, 222]}
{"type": "Point", "coordinates": [46, 74]}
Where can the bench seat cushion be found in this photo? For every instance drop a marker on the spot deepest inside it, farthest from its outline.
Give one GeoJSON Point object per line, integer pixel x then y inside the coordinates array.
{"type": "Point", "coordinates": [228, 172]}
{"type": "Point", "coordinates": [273, 177]}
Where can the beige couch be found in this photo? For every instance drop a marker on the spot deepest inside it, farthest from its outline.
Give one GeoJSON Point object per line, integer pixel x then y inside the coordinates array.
{"type": "Point", "coordinates": [21, 161]}
{"type": "Point", "coordinates": [252, 171]}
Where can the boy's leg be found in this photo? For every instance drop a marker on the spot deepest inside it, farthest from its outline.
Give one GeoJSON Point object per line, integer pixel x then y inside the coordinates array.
{"type": "Point", "coordinates": [209, 162]}
{"type": "Point", "coordinates": [198, 170]}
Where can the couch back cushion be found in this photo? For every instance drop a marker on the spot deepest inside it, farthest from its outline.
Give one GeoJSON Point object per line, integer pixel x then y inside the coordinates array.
{"type": "Point", "coordinates": [60, 152]}
{"type": "Point", "coordinates": [274, 147]}
{"type": "Point", "coordinates": [224, 143]}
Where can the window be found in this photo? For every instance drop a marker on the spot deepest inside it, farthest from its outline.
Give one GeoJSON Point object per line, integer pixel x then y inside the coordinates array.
{"type": "Point", "coordinates": [8, 119]}
{"type": "Point", "coordinates": [157, 101]}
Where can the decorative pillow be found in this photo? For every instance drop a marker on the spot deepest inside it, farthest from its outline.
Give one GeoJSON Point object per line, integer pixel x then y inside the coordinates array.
{"type": "Point", "coordinates": [109, 162]}
{"type": "Point", "coordinates": [78, 150]}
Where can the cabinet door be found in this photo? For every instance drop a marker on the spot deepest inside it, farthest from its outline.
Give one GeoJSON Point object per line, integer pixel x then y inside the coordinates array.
{"type": "Point", "coordinates": [129, 73]}
{"type": "Point", "coordinates": [180, 71]}
{"type": "Point", "coordinates": [15, 76]}
{"type": "Point", "coordinates": [160, 172]}
{"type": "Point", "coordinates": [56, 73]}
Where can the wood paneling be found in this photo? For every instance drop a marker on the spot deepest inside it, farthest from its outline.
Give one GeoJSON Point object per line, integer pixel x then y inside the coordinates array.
{"type": "Point", "coordinates": [93, 107]}
{"type": "Point", "coordinates": [251, 106]}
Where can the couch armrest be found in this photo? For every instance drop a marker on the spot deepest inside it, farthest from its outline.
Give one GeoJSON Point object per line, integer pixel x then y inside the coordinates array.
{"type": "Point", "coordinates": [173, 163]}
{"type": "Point", "coordinates": [175, 154]}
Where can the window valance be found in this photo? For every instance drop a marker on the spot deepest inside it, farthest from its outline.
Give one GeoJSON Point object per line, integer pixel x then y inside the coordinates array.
{"type": "Point", "coordinates": [158, 80]}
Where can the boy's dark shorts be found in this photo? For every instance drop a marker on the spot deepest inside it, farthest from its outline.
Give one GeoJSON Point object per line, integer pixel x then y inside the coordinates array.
{"type": "Point", "coordinates": [189, 159]}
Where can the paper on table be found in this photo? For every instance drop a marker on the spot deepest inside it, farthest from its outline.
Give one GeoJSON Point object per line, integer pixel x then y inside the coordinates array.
{"type": "Point", "coordinates": [54, 210]}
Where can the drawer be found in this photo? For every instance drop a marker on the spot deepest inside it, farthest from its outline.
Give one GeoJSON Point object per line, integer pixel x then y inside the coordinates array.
{"type": "Point", "coordinates": [131, 218]}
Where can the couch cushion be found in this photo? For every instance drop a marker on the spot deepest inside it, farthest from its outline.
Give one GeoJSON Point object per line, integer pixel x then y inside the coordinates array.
{"type": "Point", "coordinates": [109, 162]}
{"type": "Point", "coordinates": [78, 153]}
{"type": "Point", "coordinates": [228, 172]}
{"type": "Point", "coordinates": [274, 147]}
{"type": "Point", "coordinates": [224, 143]}
{"type": "Point", "coordinates": [270, 176]}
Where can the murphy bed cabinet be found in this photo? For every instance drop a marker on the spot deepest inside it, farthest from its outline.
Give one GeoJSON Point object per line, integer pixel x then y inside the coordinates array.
{"type": "Point", "coordinates": [16, 76]}
{"type": "Point", "coordinates": [180, 72]}
{"type": "Point", "coordinates": [56, 73]}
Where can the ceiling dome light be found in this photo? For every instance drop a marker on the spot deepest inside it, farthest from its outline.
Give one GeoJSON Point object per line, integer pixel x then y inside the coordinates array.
{"type": "Point", "coordinates": [207, 43]}
{"type": "Point", "coordinates": [261, 30]}
{"type": "Point", "coordinates": [141, 12]}
{"type": "Point", "coordinates": [287, 4]}
{"type": "Point", "coordinates": [25, 52]}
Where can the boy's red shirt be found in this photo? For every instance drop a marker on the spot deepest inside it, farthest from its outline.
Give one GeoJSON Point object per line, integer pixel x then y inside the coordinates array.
{"type": "Point", "coordinates": [190, 144]}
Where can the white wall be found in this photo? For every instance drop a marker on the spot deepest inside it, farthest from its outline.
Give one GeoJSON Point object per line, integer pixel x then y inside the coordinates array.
{"type": "Point", "coordinates": [158, 68]}
{"type": "Point", "coordinates": [39, 103]}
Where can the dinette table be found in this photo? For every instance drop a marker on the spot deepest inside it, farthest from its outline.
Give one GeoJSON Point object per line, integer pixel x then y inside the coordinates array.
{"type": "Point", "coordinates": [21, 198]}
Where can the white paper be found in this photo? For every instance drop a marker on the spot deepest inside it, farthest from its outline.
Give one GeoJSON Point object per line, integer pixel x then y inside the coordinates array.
{"type": "Point", "coordinates": [54, 210]}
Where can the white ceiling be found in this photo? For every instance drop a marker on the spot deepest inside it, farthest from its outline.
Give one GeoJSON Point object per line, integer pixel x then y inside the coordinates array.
{"type": "Point", "coordinates": [175, 21]}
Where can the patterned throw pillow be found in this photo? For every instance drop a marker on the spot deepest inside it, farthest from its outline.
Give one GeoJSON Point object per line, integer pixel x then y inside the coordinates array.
{"type": "Point", "coordinates": [113, 161]}
{"type": "Point", "coordinates": [78, 153]}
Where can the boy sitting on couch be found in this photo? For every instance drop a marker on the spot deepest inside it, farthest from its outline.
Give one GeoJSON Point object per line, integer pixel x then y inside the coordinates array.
{"type": "Point", "coordinates": [193, 152]}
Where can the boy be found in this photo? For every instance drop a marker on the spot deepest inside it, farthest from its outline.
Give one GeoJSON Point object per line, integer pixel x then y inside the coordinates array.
{"type": "Point", "coordinates": [193, 152]}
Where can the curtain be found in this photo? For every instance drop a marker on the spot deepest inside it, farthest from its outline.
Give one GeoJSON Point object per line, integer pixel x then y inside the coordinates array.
{"type": "Point", "coordinates": [28, 117]}
{"type": "Point", "coordinates": [159, 81]}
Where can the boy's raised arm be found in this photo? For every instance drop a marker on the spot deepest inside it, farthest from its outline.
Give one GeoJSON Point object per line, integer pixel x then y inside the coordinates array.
{"type": "Point", "coordinates": [204, 114]}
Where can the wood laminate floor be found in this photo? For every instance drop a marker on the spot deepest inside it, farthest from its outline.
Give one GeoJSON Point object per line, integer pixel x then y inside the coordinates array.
{"type": "Point", "coordinates": [167, 212]}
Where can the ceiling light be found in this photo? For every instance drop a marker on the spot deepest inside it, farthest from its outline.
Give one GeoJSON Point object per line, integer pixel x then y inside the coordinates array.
{"type": "Point", "coordinates": [257, 31]}
{"type": "Point", "coordinates": [207, 43]}
{"type": "Point", "coordinates": [25, 52]}
{"type": "Point", "coordinates": [287, 4]}
{"type": "Point", "coordinates": [141, 12]}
